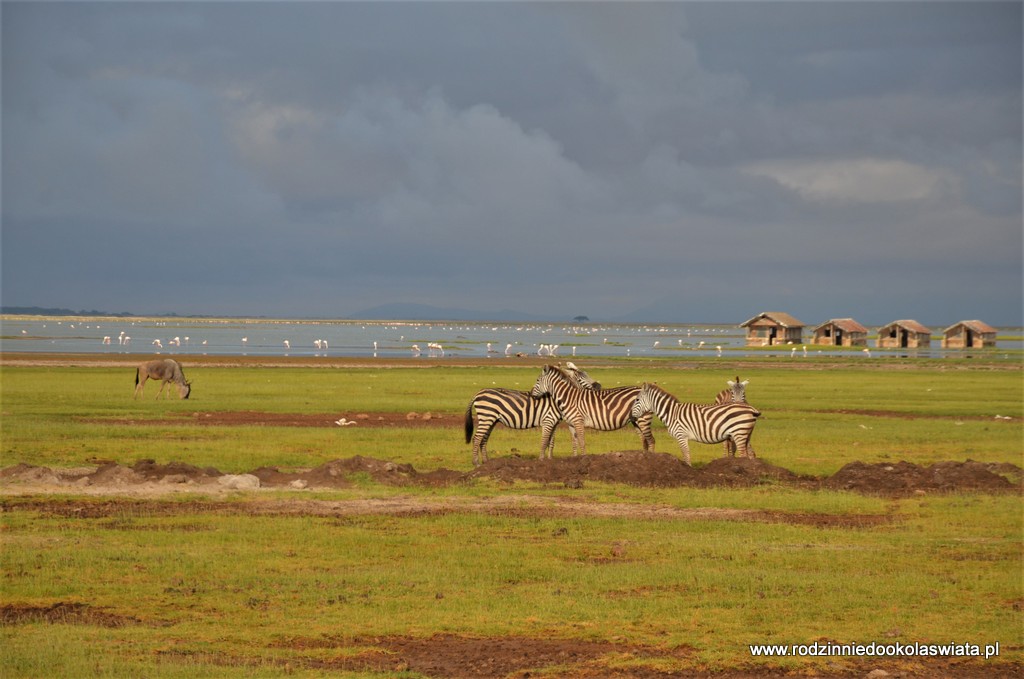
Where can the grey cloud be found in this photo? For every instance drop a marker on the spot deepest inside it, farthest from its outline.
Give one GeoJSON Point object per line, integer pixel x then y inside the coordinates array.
{"type": "Point", "coordinates": [325, 157]}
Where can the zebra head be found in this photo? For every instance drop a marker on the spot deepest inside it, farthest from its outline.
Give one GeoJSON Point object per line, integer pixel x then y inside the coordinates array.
{"type": "Point", "coordinates": [580, 376]}
{"type": "Point", "coordinates": [736, 393]}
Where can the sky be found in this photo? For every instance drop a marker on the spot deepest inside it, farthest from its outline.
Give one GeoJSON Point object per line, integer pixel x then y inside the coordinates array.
{"type": "Point", "coordinates": [652, 162]}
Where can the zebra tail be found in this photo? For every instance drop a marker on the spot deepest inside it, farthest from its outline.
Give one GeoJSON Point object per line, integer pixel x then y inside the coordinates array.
{"type": "Point", "coordinates": [469, 422]}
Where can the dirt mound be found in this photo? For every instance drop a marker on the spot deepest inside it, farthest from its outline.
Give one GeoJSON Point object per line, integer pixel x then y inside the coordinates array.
{"type": "Point", "coordinates": [631, 467]}
{"type": "Point", "coordinates": [634, 468]}
{"type": "Point", "coordinates": [904, 478]}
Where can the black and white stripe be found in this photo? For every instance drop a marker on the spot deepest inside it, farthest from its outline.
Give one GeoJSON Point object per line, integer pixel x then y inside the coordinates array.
{"type": "Point", "coordinates": [736, 393]}
{"type": "Point", "coordinates": [517, 410]}
{"type": "Point", "coordinates": [713, 423]}
{"type": "Point", "coordinates": [603, 409]}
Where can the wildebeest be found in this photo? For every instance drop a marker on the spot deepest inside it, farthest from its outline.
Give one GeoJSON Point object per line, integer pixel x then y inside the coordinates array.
{"type": "Point", "coordinates": [164, 369]}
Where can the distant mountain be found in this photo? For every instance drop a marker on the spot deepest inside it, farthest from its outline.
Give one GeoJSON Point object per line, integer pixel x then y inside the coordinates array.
{"type": "Point", "coordinates": [43, 311]}
{"type": "Point", "coordinates": [426, 312]}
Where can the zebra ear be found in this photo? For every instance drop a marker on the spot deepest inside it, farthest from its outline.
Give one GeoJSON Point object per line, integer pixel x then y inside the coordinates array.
{"type": "Point", "coordinates": [730, 383]}
{"type": "Point", "coordinates": [744, 383]}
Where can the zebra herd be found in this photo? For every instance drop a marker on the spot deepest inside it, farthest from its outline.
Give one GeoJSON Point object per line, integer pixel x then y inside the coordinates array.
{"type": "Point", "coordinates": [568, 393]}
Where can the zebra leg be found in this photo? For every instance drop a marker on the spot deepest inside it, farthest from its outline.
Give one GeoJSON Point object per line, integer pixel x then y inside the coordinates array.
{"type": "Point", "coordinates": [742, 443]}
{"type": "Point", "coordinates": [684, 445]}
{"type": "Point", "coordinates": [483, 432]}
{"type": "Point", "coordinates": [579, 443]}
{"type": "Point", "coordinates": [547, 440]}
{"type": "Point", "coordinates": [643, 428]}
{"type": "Point", "coordinates": [730, 448]}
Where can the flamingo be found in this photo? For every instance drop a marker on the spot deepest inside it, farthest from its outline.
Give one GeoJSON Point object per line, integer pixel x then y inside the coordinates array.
{"type": "Point", "coordinates": [287, 344]}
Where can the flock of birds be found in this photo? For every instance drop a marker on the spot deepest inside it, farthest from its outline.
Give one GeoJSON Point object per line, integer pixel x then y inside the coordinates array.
{"type": "Point", "coordinates": [434, 349]}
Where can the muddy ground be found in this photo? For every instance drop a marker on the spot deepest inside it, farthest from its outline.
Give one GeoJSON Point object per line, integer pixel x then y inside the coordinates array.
{"type": "Point", "coordinates": [893, 479]}
{"type": "Point", "coordinates": [137, 489]}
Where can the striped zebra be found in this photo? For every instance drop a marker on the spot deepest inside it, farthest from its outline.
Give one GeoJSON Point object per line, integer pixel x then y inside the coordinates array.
{"type": "Point", "coordinates": [602, 409]}
{"type": "Point", "coordinates": [712, 423]}
{"type": "Point", "coordinates": [517, 410]}
{"type": "Point", "coordinates": [736, 393]}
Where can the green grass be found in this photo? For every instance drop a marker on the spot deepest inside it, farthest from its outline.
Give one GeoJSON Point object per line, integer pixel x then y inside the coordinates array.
{"type": "Point", "coordinates": [713, 585]}
{"type": "Point", "coordinates": [225, 593]}
{"type": "Point", "coordinates": [814, 422]}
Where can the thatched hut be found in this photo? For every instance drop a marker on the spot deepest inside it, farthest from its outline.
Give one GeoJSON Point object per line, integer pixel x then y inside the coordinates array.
{"type": "Point", "coordinates": [772, 328]}
{"type": "Point", "coordinates": [841, 332]}
{"type": "Point", "coordinates": [904, 335]}
{"type": "Point", "coordinates": [969, 335]}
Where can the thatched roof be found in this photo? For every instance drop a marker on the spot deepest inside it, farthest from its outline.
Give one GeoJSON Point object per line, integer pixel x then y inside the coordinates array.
{"type": "Point", "coordinates": [912, 326]}
{"type": "Point", "coordinates": [973, 326]}
{"type": "Point", "coordinates": [773, 318]}
{"type": "Point", "coordinates": [844, 324]}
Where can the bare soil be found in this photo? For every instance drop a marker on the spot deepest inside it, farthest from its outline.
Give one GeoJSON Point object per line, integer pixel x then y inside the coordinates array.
{"type": "Point", "coordinates": [108, 491]}
{"type": "Point", "coordinates": [458, 657]}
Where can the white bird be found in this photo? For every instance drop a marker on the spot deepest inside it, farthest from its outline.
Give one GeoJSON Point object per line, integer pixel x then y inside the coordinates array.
{"type": "Point", "coordinates": [867, 352]}
{"type": "Point", "coordinates": [127, 339]}
{"type": "Point", "coordinates": [508, 349]}
{"type": "Point", "coordinates": [316, 343]}
{"type": "Point", "coordinates": [719, 349]}
{"type": "Point", "coordinates": [343, 422]}
{"type": "Point", "coordinates": [106, 339]}
{"type": "Point", "coordinates": [158, 344]}
{"type": "Point", "coordinates": [793, 352]}
{"type": "Point", "coordinates": [416, 350]}
{"type": "Point", "coordinates": [287, 344]}
{"type": "Point", "coordinates": [245, 340]}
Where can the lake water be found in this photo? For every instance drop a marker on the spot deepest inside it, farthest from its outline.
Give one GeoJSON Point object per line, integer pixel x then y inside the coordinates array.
{"type": "Point", "coordinates": [235, 337]}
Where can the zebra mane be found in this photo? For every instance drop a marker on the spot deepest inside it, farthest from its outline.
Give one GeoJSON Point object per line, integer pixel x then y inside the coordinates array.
{"type": "Point", "coordinates": [572, 376]}
{"type": "Point", "coordinates": [651, 386]}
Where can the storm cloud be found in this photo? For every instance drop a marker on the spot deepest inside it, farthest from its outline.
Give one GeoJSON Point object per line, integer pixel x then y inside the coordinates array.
{"type": "Point", "coordinates": [661, 162]}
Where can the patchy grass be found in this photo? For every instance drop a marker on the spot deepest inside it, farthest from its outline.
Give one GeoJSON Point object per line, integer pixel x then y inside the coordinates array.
{"type": "Point", "coordinates": [196, 591]}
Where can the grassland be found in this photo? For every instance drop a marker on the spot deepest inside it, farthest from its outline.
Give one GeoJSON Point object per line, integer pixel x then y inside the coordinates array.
{"type": "Point", "coordinates": [191, 585]}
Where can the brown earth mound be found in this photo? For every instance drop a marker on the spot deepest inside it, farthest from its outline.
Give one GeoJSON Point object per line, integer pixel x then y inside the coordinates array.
{"type": "Point", "coordinates": [903, 478]}
{"type": "Point", "coordinates": [629, 467]}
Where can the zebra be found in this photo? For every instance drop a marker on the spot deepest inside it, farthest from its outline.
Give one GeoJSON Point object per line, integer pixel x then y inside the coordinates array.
{"type": "Point", "coordinates": [736, 393]}
{"type": "Point", "coordinates": [517, 410]}
{"type": "Point", "coordinates": [166, 370]}
{"type": "Point", "coordinates": [602, 409]}
{"type": "Point", "coordinates": [712, 423]}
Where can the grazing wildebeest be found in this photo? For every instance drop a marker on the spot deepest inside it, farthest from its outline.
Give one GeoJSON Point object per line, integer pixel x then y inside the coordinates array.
{"type": "Point", "coordinates": [166, 370]}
